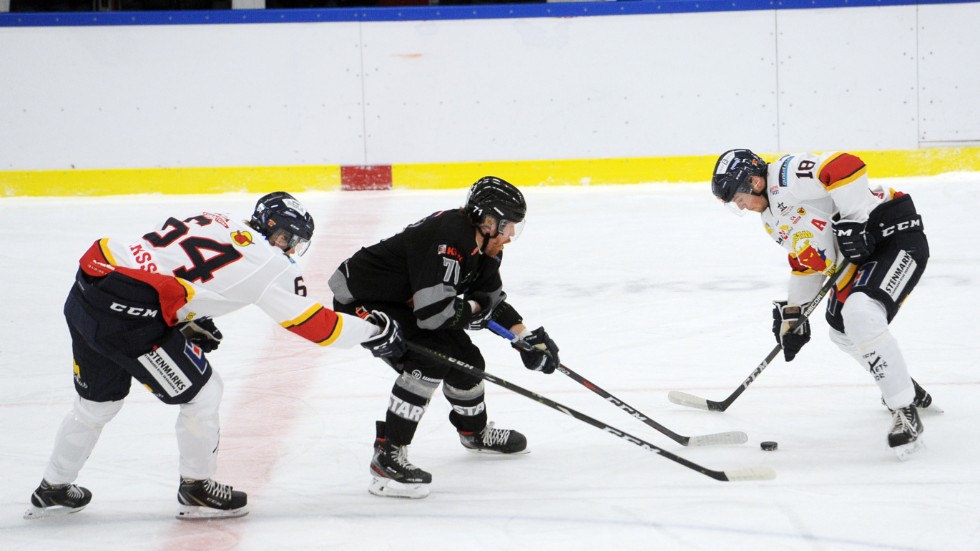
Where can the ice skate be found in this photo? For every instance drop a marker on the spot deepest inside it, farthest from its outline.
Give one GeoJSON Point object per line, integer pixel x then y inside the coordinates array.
{"type": "Point", "coordinates": [905, 436]}
{"type": "Point", "coordinates": [207, 499]}
{"type": "Point", "coordinates": [922, 400]}
{"type": "Point", "coordinates": [393, 475]}
{"type": "Point", "coordinates": [492, 440]}
{"type": "Point", "coordinates": [56, 500]}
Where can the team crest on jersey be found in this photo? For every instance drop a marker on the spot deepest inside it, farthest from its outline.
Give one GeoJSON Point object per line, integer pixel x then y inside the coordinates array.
{"type": "Point", "coordinates": [195, 354]}
{"type": "Point", "coordinates": [241, 238]}
{"type": "Point", "coordinates": [815, 259]}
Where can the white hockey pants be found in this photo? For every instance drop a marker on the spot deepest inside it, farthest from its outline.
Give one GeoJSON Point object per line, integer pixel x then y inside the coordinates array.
{"type": "Point", "coordinates": [197, 435]}
{"type": "Point", "coordinates": [868, 340]}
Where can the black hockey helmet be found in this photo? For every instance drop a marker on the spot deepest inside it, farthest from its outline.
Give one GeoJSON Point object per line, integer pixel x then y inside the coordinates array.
{"type": "Point", "coordinates": [734, 171]}
{"type": "Point", "coordinates": [281, 218]}
{"type": "Point", "coordinates": [499, 199]}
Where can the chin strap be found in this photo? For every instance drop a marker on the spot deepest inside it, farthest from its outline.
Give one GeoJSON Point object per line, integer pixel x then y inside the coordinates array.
{"type": "Point", "coordinates": [486, 240]}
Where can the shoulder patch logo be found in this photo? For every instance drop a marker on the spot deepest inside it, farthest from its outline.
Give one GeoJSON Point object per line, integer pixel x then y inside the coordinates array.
{"type": "Point", "coordinates": [449, 250]}
{"type": "Point", "coordinates": [784, 170]}
{"type": "Point", "coordinates": [242, 238]}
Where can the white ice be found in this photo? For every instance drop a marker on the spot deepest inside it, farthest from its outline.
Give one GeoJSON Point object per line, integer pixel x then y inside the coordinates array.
{"type": "Point", "coordinates": [646, 289]}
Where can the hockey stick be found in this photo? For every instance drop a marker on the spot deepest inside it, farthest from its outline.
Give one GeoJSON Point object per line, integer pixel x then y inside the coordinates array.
{"type": "Point", "coordinates": [736, 437]}
{"type": "Point", "coordinates": [690, 400]}
{"type": "Point", "coordinates": [749, 473]}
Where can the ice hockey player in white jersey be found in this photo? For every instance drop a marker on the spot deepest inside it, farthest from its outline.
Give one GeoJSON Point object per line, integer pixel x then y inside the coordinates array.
{"type": "Point", "coordinates": [821, 209]}
{"type": "Point", "coordinates": [143, 307]}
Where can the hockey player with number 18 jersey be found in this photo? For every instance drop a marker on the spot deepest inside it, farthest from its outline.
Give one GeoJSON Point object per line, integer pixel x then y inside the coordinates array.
{"type": "Point", "coordinates": [822, 211]}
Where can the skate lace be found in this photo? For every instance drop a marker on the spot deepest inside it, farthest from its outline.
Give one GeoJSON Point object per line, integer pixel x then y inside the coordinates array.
{"type": "Point", "coordinates": [218, 490]}
{"type": "Point", "coordinates": [400, 455]}
{"type": "Point", "coordinates": [902, 421]}
{"type": "Point", "coordinates": [492, 436]}
{"type": "Point", "coordinates": [74, 492]}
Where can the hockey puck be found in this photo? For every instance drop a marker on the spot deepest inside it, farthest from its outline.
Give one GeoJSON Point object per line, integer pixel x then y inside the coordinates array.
{"type": "Point", "coordinates": [769, 446]}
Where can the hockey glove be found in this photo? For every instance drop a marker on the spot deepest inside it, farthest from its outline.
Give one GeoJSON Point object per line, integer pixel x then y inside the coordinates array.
{"type": "Point", "coordinates": [853, 241]}
{"type": "Point", "coordinates": [202, 332]}
{"type": "Point", "coordinates": [485, 300]}
{"type": "Point", "coordinates": [389, 343]}
{"type": "Point", "coordinates": [783, 317]}
{"type": "Point", "coordinates": [544, 355]}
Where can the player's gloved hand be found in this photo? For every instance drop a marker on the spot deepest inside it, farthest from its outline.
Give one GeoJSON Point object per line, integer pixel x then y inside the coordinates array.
{"type": "Point", "coordinates": [853, 241]}
{"type": "Point", "coordinates": [485, 300]}
{"type": "Point", "coordinates": [389, 343]}
{"type": "Point", "coordinates": [544, 354]}
{"type": "Point", "coordinates": [783, 317]}
{"type": "Point", "coordinates": [202, 332]}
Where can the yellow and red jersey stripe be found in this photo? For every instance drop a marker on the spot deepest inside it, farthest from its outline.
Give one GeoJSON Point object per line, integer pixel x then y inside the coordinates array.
{"type": "Point", "coordinates": [317, 324]}
{"type": "Point", "coordinates": [841, 169]}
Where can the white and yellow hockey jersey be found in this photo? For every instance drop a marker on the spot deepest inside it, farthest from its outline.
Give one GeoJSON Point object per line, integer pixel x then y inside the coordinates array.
{"type": "Point", "coordinates": [210, 265]}
{"type": "Point", "coordinates": [805, 193]}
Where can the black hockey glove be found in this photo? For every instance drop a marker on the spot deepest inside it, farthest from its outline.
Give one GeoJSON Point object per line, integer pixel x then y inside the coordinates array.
{"type": "Point", "coordinates": [202, 332]}
{"type": "Point", "coordinates": [853, 241]}
{"type": "Point", "coordinates": [389, 343]}
{"type": "Point", "coordinates": [781, 323]}
{"type": "Point", "coordinates": [485, 300]}
{"type": "Point", "coordinates": [544, 356]}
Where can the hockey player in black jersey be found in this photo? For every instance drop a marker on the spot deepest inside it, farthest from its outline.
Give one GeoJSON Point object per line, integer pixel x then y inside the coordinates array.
{"type": "Point", "coordinates": [438, 278]}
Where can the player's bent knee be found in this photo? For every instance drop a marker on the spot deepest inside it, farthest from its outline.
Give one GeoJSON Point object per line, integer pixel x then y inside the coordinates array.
{"type": "Point", "coordinates": [96, 413]}
{"type": "Point", "coordinates": [842, 341]}
{"type": "Point", "coordinates": [207, 399]}
{"type": "Point", "coordinates": [865, 319]}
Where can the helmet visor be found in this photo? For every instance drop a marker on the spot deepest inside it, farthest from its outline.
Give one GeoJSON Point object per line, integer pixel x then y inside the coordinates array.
{"type": "Point", "coordinates": [725, 186]}
{"type": "Point", "coordinates": [289, 242]}
{"type": "Point", "coordinates": [510, 229]}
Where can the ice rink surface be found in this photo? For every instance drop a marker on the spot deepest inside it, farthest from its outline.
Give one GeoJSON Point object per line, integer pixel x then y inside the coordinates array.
{"type": "Point", "coordinates": [646, 289]}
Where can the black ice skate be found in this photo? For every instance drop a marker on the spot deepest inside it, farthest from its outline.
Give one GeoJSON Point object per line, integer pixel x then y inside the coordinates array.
{"type": "Point", "coordinates": [207, 499]}
{"type": "Point", "coordinates": [393, 474]}
{"type": "Point", "coordinates": [905, 435]}
{"type": "Point", "coordinates": [922, 400]}
{"type": "Point", "coordinates": [55, 500]}
{"type": "Point", "coordinates": [493, 440]}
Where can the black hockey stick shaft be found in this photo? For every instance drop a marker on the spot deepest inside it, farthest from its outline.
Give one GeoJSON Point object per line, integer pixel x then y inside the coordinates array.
{"type": "Point", "coordinates": [685, 399]}
{"type": "Point", "coordinates": [700, 440]}
{"type": "Point", "coordinates": [751, 473]}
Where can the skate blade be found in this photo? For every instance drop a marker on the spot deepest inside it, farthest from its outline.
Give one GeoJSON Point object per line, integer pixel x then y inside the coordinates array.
{"type": "Point", "coordinates": [193, 512]}
{"type": "Point", "coordinates": [495, 452]}
{"type": "Point", "coordinates": [907, 450]}
{"type": "Point", "coordinates": [33, 512]}
{"type": "Point", "coordinates": [386, 487]}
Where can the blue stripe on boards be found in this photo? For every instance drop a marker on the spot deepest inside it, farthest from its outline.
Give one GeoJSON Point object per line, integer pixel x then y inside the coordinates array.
{"type": "Point", "coordinates": [426, 13]}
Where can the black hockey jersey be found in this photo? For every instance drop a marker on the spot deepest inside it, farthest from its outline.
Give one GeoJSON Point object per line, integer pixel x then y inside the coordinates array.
{"type": "Point", "coordinates": [431, 265]}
